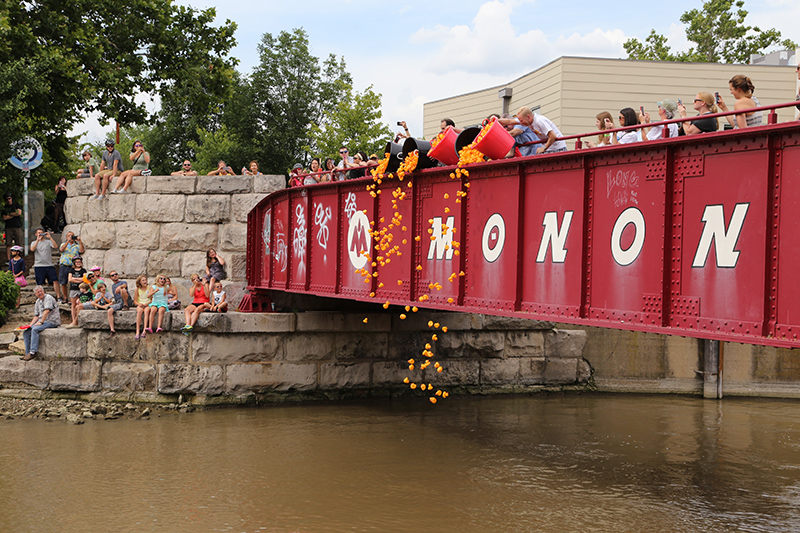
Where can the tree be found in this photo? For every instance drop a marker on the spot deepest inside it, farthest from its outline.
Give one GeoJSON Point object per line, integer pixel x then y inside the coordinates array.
{"type": "Point", "coordinates": [273, 110]}
{"type": "Point", "coordinates": [719, 33]}
{"type": "Point", "coordinates": [352, 122]}
{"type": "Point", "coordinates": [59, 60]}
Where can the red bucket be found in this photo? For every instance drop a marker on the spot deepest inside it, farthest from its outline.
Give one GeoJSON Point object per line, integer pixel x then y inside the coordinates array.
{"type": "Point", "coordinates": [495, 142]}
{"type": "Point", "coordinates": [445, 151]}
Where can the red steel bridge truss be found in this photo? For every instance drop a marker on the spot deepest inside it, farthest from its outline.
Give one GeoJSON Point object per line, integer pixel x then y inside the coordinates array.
{"type": "Point", "coordinates": [695, 236]}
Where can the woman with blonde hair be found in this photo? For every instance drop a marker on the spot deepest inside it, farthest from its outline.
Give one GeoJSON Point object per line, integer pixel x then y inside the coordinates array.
{"type": "Point", "coordinates": [704, 105]}
{"type": "Point", "coordinates": [604, 139]}
{"type": "Point", "coordinates": [742, 90]}
{"type": "Point", "coordinates": [142, 301]}
{"type": "Point", "coordinates": [158, 305]}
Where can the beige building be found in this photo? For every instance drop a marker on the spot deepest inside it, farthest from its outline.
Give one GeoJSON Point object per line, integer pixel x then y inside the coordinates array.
{"type": "Point", "coordinates": [571, 91]}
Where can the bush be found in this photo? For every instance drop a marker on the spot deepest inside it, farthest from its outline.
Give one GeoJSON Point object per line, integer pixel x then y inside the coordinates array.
{"type": "Point", "coordinates": [9, 291]}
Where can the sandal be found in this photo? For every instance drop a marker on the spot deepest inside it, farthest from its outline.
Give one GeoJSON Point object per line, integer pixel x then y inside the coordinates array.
{"type": "Point", "coordinates": [149, 330]}
{"type": "Point", "coordinates": [136, 337]}
{"type": "Point", "coordinates": [159, 330]}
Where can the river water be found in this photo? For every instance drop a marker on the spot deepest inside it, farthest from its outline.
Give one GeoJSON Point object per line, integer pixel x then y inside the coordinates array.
{"type": "Point", "coordinates": [534, 463]}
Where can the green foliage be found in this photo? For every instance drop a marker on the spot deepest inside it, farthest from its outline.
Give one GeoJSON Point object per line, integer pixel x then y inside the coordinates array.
{"type": "Point", "coordinates": [272, 114]}
{"type": "Point", "coordinates": [719, 33]}
{"type": "Point", "coordinates": [9, 291]}
{"type": "Point", "coordinates": [214, 146]}
{"type": "Point", "coordinates": [59, 60]}
{"type": "Point", "coordinates": [353, 122]}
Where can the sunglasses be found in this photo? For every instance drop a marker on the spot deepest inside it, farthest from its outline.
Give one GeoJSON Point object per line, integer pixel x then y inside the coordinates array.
{"type": "Point", "coordinates": [114, 275]}
{"type": "Point", "coordinates": [89, 276]}
{"type": "Point", "coordinates": [342, 151]}
{"type": "Point", "coordinates": [187, 164]}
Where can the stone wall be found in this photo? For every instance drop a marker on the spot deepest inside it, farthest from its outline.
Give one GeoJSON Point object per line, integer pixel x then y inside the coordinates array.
{"type": "Point", "coordinates": [166, 223]}
{"type": "Point", "coordinates": [236, 357]}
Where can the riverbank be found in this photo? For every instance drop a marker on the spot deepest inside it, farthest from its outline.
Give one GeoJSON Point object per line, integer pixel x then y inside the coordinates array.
{"type": "Point", "coordinates": [77, 411]}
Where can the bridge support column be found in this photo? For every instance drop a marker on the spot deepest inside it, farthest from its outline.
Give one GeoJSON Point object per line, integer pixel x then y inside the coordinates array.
{"type": "Point", "coordinates": [712, 369]}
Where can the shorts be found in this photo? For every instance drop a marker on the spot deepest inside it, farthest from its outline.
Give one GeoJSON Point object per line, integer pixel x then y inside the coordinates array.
{"type": "Point", "coordinates": [74, 293]}
{"type": "Point", "coordinates": [13, 236]}
{"type": "Point", "coordinates": [87, 305]}
{"type": "Point", "coordinates": [116, 306]}
{"type": "Point", "coordinates": [45, 275]}
{"type": "Point", "coordinates": [84, 174]}
{"type": "Point", "coordinates": [157, 305]}
{"type": "Point", "coordinates": [63, 274]}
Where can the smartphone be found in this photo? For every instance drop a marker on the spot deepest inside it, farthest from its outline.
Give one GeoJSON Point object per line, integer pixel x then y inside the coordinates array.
{"type": "Point", "coordinates": [641, 108]}
{"type": "Point", "coordinates": [680, 102]}
{"type": "Point", "coordinates": [399, 123]}
{"type": "Point", "coordinates": [716, 96]}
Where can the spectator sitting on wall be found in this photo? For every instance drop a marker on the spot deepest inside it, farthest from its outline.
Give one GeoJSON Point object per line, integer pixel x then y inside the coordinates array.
{"type": "Point", "coordinates": [93, 279]}
{"type": "Point", "coordinates": [43, 267]}
{"type": "Point", "coordinates": [75, 279]}
{"type": "Point", "coordinates": [110, 167]}
{"type": "Point", "coordinates": [222, 170]}
{"type": "Point", "coordinates": [90, 167]}
{"type": "Point", "coordinates": [220, 304]}
{"type": "Point", "coordinates": [200, 302]}
{"type": "Point", "coordinates": [252, 171]}
{"type": "Point", "coordinates": [141, 167]}
{"type": "Point", "coordinates": [45, 315]}
{"type": "Point", "coordinates": [142, 302]}
{"type": "Point", "coordinates": [186, 170]}
{"type": "Point", "coordinates": [71, 248]}
{"type": "Point", "coordinates": [12, 216]}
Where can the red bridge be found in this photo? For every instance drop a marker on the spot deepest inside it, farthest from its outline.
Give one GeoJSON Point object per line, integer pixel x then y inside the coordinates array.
{"type": "Point", "coordinates": [694, 236]}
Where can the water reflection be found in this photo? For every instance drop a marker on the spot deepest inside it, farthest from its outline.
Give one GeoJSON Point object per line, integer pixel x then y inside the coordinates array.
{"type": "Point", "coordinates": [550, 463]}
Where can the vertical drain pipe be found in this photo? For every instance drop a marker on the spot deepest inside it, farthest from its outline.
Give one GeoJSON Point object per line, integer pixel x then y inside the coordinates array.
{"type": "Point", "coordinates": [712, 369]}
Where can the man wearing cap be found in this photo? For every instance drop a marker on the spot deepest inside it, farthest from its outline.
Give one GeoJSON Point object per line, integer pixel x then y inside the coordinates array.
{"type": "Point", "coordinates": [666, 111]}
{"type": "Point", "coordinates": [71, 248]}
{"type": "Point", "coordinates": [12, 216]}
{"type": "Point", "coordinates": [110, 167]}
{"type": "Point", "coordinates": [43, 267]}
{"type": "Point", "coordinates": [295, 178]}
{"type": "Point", "coordinates": [45, 315]}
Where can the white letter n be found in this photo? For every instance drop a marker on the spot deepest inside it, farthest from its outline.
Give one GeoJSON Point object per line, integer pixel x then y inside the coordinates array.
{"type": "Point", "coordinates": [555, 237]}
{"type": "Point", "coordinates": [724, 240]}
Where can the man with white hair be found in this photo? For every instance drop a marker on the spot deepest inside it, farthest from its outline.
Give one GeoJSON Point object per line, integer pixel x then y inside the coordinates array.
{"type": "Point", "coordinates": [45, 315]}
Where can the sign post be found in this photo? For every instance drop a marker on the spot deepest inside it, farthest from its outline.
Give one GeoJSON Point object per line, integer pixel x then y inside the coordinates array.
{"type": "Point", "coordinates": [26, 154]}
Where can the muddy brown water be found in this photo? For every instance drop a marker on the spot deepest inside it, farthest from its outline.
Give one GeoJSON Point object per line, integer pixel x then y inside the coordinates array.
{"type": "Point", "coordinates": [539, 463]}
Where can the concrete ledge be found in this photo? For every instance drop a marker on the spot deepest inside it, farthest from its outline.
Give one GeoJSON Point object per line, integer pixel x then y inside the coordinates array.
{"type": "Point", "coordinates": [243, 357]}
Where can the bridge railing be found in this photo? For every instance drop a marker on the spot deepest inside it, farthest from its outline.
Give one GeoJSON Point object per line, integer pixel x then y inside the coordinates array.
{"type": "Point", "coordinates": [772, 118]}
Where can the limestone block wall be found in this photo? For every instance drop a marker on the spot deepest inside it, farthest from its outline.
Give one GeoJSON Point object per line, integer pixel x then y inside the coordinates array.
{"type": "Point", "coordinates": [238, 357]}
{"type": "Point", "coordinates": [166, 223]}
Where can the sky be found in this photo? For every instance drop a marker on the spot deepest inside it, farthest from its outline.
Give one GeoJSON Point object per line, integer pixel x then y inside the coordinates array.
{"type": "Point", "coordinates": [412, 52]}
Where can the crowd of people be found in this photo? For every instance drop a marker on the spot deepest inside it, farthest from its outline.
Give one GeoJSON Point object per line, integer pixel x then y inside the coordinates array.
{"type": "Point", "coordinates": [349, 167]}
{"type": "Point", "coordinates": [85, 289]}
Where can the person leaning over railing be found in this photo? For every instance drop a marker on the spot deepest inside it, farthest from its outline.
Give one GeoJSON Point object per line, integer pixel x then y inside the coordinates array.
{"type": "Point", "coordinates": [666, 111]}
{"type": "Point", "coordinates": [704, 105]}
{"type": "Point", "coordinates": [604, 139]}
{"type": "Point", "coordinates": [542, 128]}
{"type": "Point", "coordinates": [742, 90]}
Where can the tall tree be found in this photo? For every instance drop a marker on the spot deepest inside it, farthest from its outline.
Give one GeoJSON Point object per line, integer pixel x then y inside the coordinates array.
{"type": "Point", "coordinates": [61, 59]}
{"type": "Point", "coordinates": [352, 122]}
{"type": "Point", "coordinates": [719, 33]}
{"type": "Point", "coordinates": [273, 110]}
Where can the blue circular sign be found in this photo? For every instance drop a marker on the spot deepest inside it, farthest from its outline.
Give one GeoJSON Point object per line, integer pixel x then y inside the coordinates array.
{"type": "Point", "coordinates": [26, 154]}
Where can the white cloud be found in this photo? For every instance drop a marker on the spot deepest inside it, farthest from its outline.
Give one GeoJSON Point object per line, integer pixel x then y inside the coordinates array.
{"type": "Point", "coordinates": [494, 45]}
